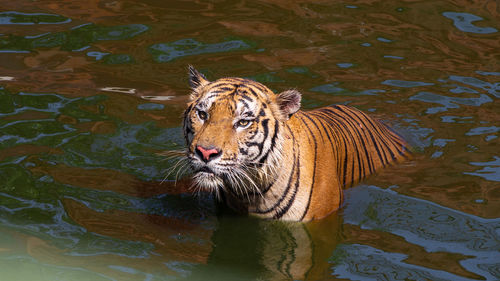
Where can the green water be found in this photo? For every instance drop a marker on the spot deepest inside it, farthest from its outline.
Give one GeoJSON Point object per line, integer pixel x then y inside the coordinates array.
{"type": "Point", "coordinates": [91, 92]}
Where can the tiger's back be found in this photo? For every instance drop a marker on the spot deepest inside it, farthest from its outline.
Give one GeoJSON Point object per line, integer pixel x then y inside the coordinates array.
{"type": "Point", "coordinates": [344, 145]}
{"type": "Point", "coordinates": [362, 145]}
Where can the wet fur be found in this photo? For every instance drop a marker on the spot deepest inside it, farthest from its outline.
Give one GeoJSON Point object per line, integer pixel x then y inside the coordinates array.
{"type": "Point", "coordinates": [287, 164]}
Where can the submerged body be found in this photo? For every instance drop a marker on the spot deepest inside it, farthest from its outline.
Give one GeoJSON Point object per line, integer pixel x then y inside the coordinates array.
{"type": "Point", "coordinates": [262, 155]}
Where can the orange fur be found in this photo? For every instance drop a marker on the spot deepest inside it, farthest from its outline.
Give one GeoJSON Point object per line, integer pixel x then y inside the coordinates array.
{"type": "Point", "coordinates": [270, 159]}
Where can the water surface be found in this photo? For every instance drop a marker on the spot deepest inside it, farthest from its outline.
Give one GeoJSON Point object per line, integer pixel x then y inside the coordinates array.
{"type": "Point", "coordinates": [91, 92]}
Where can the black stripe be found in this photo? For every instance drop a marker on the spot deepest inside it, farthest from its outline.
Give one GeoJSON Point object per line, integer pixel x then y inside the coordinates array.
{"type": "Point", "coordinates": [243, 151]}
{"type": "Point", "coordinates": [246, 97]}
{"type": "Point", "coordinates": [283, 211]}
{"type": "Point", "coordinates": [355, 128]}
{"type": "Point", "coordinates": [265, 190]}
{"type": "Point", "coordinates": [329, 130]}
{"type": "Point", "coordinates": [356, 138]}
{"type": "Point", "coordinates": [273, 143]}
{"type": "Point", "coordinates": [380, 136]}
{"type": "Point", "coordinates": [271, 148]}
{"type": "Point", "coordinates": [376, 143]}
{"type": "Point", "coordinates": [314, 123]}
{"type": "Point", "coordinates": [245, 104]}
{"type": "Point", "coordinates": [360, 170]}
{"type": "Point", "coordinates": [258, 86]}
{"type": "Point", "coordinates": [346, 133]}
{"type": "Point", "coordinates": [223, 84]}
{"type": "Point", "coordinates": [186, 122]}
{"type": "Point", "coordinates": [186, 112]}
{"type": "Point", "coordinates": [260, 145]}
{"type": "Point", "coordinates": [349, 119]}
{"type": "Point", "coordinates": [362, 118]}
{"type": "Point", "coordinates": [290, 178]}
{"type": "Point", "coordinates": [262, 112]}
{"type": "Point", "coordinates": [214, 95]}
{"type": "Point", "coordinates": [253, 92]}
{"type": "Point", "coordinates": [314, 166]}
{"type": "Point", "coordinates": [272, 208]}
{"type": "Point", "coordinates": [396, 139]}
{"type": "Point", "coordinates": [342, 135]}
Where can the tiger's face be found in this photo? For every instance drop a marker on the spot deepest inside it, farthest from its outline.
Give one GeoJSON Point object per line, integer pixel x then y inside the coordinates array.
{"type": "Point", "coordinates": [232, 129]}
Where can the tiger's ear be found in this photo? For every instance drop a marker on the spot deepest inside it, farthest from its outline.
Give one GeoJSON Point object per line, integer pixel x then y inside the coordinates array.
{"type": "Point", "coordinates": [196, 79]}
{"type": "Point", "coordinates": [289, 102]}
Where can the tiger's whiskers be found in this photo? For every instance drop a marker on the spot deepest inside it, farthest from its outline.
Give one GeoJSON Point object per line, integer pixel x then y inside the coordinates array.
{"type": "Point", "coordinates": [179, 165]}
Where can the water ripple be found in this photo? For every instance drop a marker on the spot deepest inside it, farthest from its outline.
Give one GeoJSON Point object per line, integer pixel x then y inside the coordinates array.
{"type": "Point", "coordinates": [463, 21]}
{"type": "Point", "coordinates": [405, 84]}
{"type": "Point", "coordinates": [31, 18]}
{"type": "Point", "coordinates": [490, 88]}
{"type": "Point", "coordinates": [165, 52]}
{"type": "Point", "coordinates": [482, 130]}
{"type": "Point", "coordinates": [76, 39]}
{"type": "Point", "coordinates": [361, 262]}
{"type": "Point", "coordinates": [440, 228]}
{"type": "Point", "coordinates": [490, 170]}
{"type": "Point", "coordinates": [448, 102]}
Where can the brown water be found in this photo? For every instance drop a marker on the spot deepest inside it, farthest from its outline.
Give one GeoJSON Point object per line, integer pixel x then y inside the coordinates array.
{"type": "Point", "coordinates": [90, 91]}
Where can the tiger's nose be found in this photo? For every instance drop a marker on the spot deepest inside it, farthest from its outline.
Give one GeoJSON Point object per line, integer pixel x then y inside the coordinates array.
{"type": "Point", "coordinates": [207, 154]}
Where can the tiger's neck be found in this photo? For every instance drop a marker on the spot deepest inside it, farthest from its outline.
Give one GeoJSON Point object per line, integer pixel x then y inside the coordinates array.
{"type": "Point", "coordinates": [282, 175]}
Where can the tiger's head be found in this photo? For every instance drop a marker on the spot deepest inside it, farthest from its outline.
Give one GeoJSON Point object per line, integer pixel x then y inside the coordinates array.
{"type": "Point", "coordinates": [233, 130]}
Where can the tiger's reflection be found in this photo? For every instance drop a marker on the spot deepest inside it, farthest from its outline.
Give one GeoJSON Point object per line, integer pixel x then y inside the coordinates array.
{"type": "Point", "coordinates": [223, 247]}
{"type": "Point", "coordinates": [273, 250]}
{"type": "Point", "coordinates": [191, 240]}
{"type": "Point", "coordinates": [232, 247]}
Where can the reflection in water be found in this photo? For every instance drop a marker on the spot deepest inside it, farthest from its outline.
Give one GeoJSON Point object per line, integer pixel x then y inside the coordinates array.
{"type": "Point", "coordinates": [119, 90]}
{"type": "Point", "coordinates": [243, 248]}
{"type": "Point", "coordinates": [92, 92]}
{"type": "Point", "coordinates": [273, 250]}
{"type": "Point", "coordinates": [6, 78]}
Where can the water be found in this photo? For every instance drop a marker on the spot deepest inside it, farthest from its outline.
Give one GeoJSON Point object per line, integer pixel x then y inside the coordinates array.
{"type": "Point", "coordinates": [90, 93]}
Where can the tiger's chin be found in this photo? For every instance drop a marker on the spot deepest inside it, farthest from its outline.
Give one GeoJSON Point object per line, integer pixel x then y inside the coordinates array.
{"type": "Point", "coordinates": [207, 181]}
{"type": "Point", "coordinates": [239, 182]}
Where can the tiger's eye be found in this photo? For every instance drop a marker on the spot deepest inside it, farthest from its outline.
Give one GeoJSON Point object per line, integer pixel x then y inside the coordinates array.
{"type": "Point", "coordinates": [243, 123]}
{"type": "Point", "coordinates": [202, 115]}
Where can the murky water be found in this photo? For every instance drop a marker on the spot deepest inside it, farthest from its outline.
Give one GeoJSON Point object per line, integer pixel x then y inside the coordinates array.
{"type": "Point", "coordinates": [91, 91]}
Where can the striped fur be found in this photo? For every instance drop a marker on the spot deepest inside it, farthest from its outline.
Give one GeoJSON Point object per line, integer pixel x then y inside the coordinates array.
{"type": "Point", "coordinates": [274, 160]}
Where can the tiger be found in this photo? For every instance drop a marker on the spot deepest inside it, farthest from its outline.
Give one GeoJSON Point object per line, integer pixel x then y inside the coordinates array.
{"type": "Point", "coordinates": [258, 153]}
